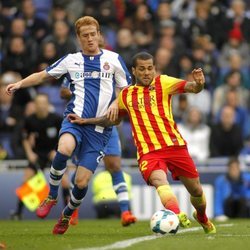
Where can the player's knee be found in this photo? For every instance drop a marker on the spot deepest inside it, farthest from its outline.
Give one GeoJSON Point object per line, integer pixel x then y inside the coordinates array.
{"type": "Point", "coordinates": [81, 183]}
{"type": "Point", "coordinates": [112, 168]}
{"type": "Point", "coordinates": [65, 150]}
{"type": "Point", "coordinates": [196, 191]}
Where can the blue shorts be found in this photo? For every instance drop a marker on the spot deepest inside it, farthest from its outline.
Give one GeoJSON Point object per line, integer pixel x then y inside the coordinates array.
{"type": "Point", "coordinates": [114, 145]}
{"type": "Point", "coordinates": [90, 144]}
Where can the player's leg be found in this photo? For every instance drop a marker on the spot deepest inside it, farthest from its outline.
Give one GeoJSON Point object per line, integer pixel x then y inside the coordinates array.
{"type": "Point", "coordinates": [88, 160]}
{"type": "Point", "coordinates": [65, 188]}
{"type": "Point", "coordinates": [198, 200]}
{"type": "Point", "coordinates": [158, 179]}
{"type": "Point", "coordinates": [29, 172]}
{"type": "Point", "coordinates": [75, 216]}
{"type": "Point", "coordinates": [83, 176]}
{"type": "Point", "coordinates": [66, 145]}
{"type": "Point", "coordinates": [112, 161]}
{"type": "Point", "coordinates": [154, 172]}
{"type": "Point", "coordinates": [113, 165]}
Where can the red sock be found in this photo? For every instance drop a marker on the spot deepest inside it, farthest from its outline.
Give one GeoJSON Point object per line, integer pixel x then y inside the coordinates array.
{"type": "Point", "coordinates": [199, 204]}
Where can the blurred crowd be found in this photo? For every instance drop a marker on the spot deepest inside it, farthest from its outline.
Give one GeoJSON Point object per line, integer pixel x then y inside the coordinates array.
{"type": "Point", "coordinates": [181, 34]}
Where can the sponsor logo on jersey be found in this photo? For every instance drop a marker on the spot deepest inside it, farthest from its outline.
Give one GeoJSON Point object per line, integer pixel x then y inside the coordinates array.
{"type": "Point", "coordinates": [93, 75]}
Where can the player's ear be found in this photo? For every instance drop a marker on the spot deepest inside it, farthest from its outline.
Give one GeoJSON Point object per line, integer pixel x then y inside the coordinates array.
{"type": "Point", "coordinates": [133, 71]}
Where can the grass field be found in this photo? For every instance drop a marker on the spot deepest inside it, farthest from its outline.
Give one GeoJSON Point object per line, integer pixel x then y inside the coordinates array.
{"type": "Point", "coordinates": [109, 234]}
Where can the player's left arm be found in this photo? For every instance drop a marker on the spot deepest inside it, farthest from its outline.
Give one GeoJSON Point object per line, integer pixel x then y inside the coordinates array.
{"type": "Point", "coordinates": [197, 85]}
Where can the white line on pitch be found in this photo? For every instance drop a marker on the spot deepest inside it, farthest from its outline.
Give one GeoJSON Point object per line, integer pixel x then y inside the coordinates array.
{"type": "Point", "coordinates": [130, 242]}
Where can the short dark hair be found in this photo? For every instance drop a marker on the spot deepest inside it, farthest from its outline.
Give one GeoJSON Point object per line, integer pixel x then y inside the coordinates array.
{"type": "Point", "coordinates": [141, 56]}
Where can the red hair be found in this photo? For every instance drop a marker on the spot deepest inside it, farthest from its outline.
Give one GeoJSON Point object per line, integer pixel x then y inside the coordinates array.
{"type": "Point", "coordinates": [84, 21]}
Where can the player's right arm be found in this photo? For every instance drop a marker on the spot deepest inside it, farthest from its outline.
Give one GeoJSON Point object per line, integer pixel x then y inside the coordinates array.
{"type": "Point", "coordinates": [31, 80]}
{"type": "Point", "coordinates": [103, 121]}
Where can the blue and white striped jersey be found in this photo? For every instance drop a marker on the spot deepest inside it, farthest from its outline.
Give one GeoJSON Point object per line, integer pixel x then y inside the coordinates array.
{"type": "Point", "coordinates": [93, 80]}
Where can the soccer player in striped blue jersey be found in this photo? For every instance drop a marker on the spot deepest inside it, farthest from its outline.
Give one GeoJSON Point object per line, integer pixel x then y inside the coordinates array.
{"type": "Point", "coordinates": [94, 74]}
{"type": "Point", "coordinates": [112, 161]}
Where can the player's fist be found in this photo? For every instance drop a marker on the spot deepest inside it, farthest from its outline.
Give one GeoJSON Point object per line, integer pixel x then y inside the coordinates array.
{"type": "Point", "coordinates": [198, 76]}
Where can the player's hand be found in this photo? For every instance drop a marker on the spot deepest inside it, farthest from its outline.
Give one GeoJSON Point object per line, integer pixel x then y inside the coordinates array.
{"type": "Point", "coordinates": [198, 76]}
{"type": "Point", "coordinates": [11, 88]}
{"type": "Point", "coordinates": [74, 118]}
{"type": "Point", "coordinates": [113, 111]}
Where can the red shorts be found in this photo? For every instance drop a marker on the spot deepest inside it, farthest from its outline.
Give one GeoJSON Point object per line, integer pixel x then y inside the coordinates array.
{"type": "Point", "coordinates": [176, 159]}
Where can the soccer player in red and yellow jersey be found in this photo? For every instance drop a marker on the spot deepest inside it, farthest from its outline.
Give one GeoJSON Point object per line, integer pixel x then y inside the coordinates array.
{"type": "Point", "coordinates": [160, 146]}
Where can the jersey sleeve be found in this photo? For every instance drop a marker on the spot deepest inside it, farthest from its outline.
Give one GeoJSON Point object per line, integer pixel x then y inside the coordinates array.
{"type": "Point", "coordinates": [173, 85]}
{"type": "Point", "coordinates": [122, 75]}
{"type": "Point", "coordinates": [59, 68]}
{"type": "Point", "coordinates": [121, 105]}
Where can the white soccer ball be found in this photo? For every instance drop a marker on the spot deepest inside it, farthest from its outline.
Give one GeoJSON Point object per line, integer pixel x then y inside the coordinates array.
{"type": "Point", "coordinates": [164, 221]}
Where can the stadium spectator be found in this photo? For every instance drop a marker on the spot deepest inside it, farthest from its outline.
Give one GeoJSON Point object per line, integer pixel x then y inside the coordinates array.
{"type": "Point", "coordinates": [180, 107]}
{"type": "Point", "coordinates": [241, 114]}
{"type": "Point", "coordinates": [47, 55]}
{"type": "Point", "coordinates": [232, 193]}
{"type": "Point", "coordinates": [10, 114]}
{"type": "Point", "coordinates": [40, 131]}
{"type": "Point", "coordinates": [95, 98]}
{"type": "Point", "coordinates": [233, 81]}
{"type": "Point", "coordinates": [141, 25]}
{"type": "Point", "coordinates": [164, 62]}
{"type": "Point", "coordinates": [160, 146]}
{"type": "Point", "coordinates": [226, 136]}
{"type": "Point", "coordinates": [64, 43]}
{"type": "Point", "coordinates": [235, 44]}
{"type": "Point", "coordinates": [202, 101]}
{"type": "Point", "coordinates": [238, 18]}
{"type": "Point", "coordinates": [104, 198]}
{"type": "Point", "coordinates": [125, 45]}
{"type": "Point", "coordinates": [197, 134]}
{"type": "Point", "coordinates": [235, 64]}
{"type": "Point", "coordinates": [36, 27]}
{"type": "Point", "coordinates": [17, 57]}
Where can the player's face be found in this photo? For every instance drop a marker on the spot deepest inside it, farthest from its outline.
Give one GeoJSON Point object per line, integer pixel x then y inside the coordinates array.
{"type": "Point", "coordinates": [144, 72]}
{"type": "Point", "coordinates": [89, 38]}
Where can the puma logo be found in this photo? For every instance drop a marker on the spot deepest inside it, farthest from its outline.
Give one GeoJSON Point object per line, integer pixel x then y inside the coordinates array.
{"type": "Point", "coordinates": [78, 64]}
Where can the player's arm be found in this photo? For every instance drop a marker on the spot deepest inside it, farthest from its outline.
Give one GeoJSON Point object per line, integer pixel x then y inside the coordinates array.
{"type": "Point", "coordinates": [31, 80]}
{"type": "Point", "coordinates": [113, 110]}
{"type": "Point", "coordinates": [65, 93]}
{"type": "Point", "coordinates": [103, 121]}
{"type": "Point", "coordinates": [198, 84]}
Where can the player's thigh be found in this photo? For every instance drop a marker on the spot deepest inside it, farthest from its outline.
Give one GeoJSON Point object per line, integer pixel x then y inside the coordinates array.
{"type": "Point", "coordinates": [192, 185]}
{"type": "Point", "coordinates": [112, 163]}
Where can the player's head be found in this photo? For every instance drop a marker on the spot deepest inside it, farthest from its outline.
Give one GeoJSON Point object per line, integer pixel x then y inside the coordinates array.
{"type": "Point", "coordinates": [143, 68]}
{"type": "Point", "coordinates": [88, 34]}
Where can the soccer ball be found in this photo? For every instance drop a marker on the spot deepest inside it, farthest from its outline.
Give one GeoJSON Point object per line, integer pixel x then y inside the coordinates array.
{"type": "Point", "coordinates": [164, 221]}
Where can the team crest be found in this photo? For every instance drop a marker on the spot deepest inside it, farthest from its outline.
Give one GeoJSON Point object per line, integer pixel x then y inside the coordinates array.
{"type": "Point", "coordinates": [106, 66]}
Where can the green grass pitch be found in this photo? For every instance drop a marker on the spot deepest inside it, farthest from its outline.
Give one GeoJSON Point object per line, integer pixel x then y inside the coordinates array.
{"type": "Point", "coordinates": [109, 234]}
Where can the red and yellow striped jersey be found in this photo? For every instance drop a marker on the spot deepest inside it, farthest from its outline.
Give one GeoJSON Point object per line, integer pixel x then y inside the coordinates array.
{"type": "Point", "coordinates": [150, 112]}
